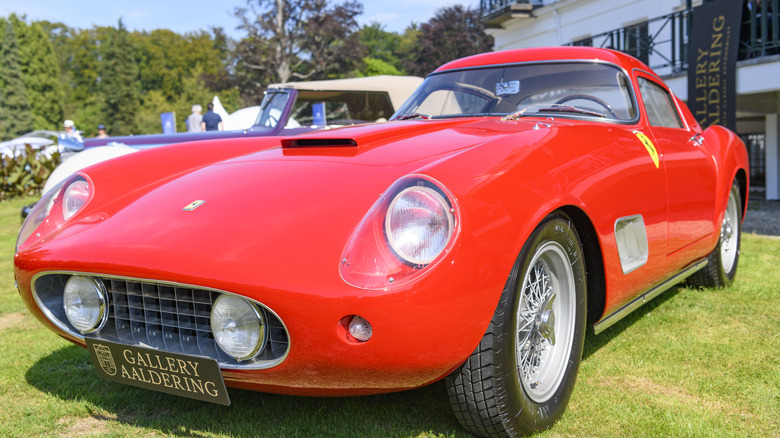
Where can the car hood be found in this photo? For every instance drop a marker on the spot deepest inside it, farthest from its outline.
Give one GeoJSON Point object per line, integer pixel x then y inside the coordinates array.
{"type": "Point", "coordinates": [277, 213]}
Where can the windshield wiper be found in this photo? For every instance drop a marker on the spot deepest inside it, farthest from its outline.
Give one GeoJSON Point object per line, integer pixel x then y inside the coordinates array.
{"type": "Point", "coordinates": [555, 107]}
{"type": "Point", "coordinates": [413, 116]}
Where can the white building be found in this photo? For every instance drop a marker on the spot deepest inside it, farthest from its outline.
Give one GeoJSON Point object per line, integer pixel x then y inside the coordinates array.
{"type": "Point", "coordinates": [656, 31]}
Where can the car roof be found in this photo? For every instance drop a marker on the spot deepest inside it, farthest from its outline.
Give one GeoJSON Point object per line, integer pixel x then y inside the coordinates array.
{"type": "Point", "coordinates": [399, 88]}
{"type": "Point", "coordinates": [542, 54]}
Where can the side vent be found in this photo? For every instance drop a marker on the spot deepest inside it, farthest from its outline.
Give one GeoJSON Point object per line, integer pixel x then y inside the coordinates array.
{"type": "Point", "coordinates": [631, 237]}
{"type": "Point", "coordinates": [318, 142]}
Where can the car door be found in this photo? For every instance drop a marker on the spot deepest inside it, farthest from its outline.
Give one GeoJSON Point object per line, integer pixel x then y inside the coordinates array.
{"type": "Point", "coordinates": [690, 172]}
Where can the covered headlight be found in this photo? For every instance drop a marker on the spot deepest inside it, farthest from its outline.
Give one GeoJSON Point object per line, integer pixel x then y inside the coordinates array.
{"type": "Point", "coordinates": [54, 209]}
{"type": "Point", "coordinates": [419, 224]}
{"type": "Point", "coordinates": [406, 232]}
{"type": "Point", "coordinates": [74, 197]}
{"type": "Point", "coordinates": [85, 301]}
{"type": "Point", "coordinates": [238, 327]}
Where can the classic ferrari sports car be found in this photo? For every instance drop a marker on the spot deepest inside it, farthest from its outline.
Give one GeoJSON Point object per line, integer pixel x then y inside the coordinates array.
{"type": "Point", "coordinates": [516, 201]}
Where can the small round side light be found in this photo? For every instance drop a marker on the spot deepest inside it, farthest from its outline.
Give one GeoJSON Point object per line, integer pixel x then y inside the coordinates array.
{"type": "Point", "coordinates": [360, 328]}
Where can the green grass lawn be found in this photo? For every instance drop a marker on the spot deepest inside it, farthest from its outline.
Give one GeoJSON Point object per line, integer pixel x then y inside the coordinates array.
{"type": "Point", "coordinates": [690, 363]}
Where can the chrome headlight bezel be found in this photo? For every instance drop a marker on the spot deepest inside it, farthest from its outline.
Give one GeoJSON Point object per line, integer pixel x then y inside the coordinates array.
{"type": "Point", "coordinates": [232, 313]}
{"type": "Point", "coordinates": [91, 291]}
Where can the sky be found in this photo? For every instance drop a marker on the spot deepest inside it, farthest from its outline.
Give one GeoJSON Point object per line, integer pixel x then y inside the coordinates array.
{"type": "Point", "coordinates": [187, 16]}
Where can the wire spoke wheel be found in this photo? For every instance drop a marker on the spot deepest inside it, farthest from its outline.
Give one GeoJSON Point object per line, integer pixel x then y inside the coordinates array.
{"type": "Point", "coordinates": [545, 330]}
{"type": "Point", "coordinates": [521, 375]}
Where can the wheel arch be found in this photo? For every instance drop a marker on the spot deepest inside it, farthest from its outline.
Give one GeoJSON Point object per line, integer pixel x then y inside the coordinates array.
{"type": "Point", "coordinates": [594, 261]}
{"type": "Point", "coordinates": [742, 180]}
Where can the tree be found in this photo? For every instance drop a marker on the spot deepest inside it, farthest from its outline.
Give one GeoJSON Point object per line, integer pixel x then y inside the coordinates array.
{"type": "Point", "coordinates": [40, 74]}
{"type": "Point", "coordinates": [383, 51]}
{"type": "Point", "coordinates": [15, 116]}
{"type": "Point", "coordinates": [454, 32]}
{"type": "Point", "coordinates": [297, 39]}
{"type": "Point", "coordinates": [118, 82]}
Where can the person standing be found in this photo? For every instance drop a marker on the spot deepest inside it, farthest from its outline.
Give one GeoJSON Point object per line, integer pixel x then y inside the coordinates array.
{"type": "Point", "coordinates": [102, 131]}
{"type": "Point", "coordinates": [195, 119]}
{"type": "Point", "coordinates": [70, 128]}
{"type": "Point", "coordinates": [211, 120]}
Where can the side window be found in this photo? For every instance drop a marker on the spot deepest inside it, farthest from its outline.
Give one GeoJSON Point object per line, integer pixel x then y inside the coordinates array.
{"type": "Point", "coordinates": [337, 108]}
{"type": "Point", "coordinates": [659, 105]}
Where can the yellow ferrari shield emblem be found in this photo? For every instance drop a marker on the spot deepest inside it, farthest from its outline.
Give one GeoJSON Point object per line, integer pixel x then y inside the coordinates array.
{"type": "Point", "coordinates": [649, 146]}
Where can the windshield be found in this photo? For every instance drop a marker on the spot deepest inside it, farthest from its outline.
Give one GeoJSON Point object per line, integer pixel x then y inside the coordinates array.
{"type": "Point", "coordinates": [582, 89]}
{"type": "Point", "coordinates": [272, 107]}
{"type": "Point", "coordinates": [317, 109]}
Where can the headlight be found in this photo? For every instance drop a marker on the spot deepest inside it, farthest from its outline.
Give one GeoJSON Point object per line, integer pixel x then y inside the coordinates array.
{"type": "Point", "coordinates": [418, 225]}
{"type": "Point", "coordinates": [86, 303]}
{"type": "Point", "coordinates": [407, 231]}
{"type": "Point", "coordinates": [238, 327]}
{"type": "Point", "coordinates": [55, 208]}
{"type": "Point", "coordinates": [74, 197]}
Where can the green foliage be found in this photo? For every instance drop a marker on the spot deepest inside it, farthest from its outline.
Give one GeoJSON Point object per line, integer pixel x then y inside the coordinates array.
{"type": "Point", "coordinates": [119, 74]}
{"type": "Point", "coordinates": [41, 74]}
{"type": "Point", "coordinates": [374, 67]}
{"type": "Point", "coordinates": [26, 173]}
{"type": "Point", "coordinates": [15, 115]}
{"type": "Point", "coordinates": [383, 50]}
{"type": "Point", "coordinates": [107, 75]}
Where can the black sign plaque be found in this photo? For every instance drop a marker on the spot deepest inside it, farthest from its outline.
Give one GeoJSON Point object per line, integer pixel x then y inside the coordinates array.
{"type": "Point", "coordinates": [712, 61]}
{"type": "Point", "coordinates": [178, 374]}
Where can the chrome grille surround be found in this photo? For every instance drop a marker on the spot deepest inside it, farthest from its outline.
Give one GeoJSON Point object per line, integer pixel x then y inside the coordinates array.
{"type": "Point", "coordinates": [163, 315]}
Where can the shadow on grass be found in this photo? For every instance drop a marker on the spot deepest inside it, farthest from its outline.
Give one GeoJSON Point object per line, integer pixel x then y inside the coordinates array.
{"type": "Point", "coordinates": [594, 342]}
{"type": "Point", "coordinates": [68, 374]}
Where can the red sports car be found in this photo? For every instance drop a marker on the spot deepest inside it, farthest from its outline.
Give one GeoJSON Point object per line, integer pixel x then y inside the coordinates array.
{"type": "Point", "coordinates": [516, 200]}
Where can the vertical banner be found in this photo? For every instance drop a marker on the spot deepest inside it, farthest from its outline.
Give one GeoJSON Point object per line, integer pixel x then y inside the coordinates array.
{"type": "Point", "coordinates": [168, 122]}
{"type": "Point", "coordinates": [712, 62]}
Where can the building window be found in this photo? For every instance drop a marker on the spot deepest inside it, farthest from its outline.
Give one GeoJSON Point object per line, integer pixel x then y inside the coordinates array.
{"type": "Point", "coordinates": [757, 154]}
{"type": "Point", "coordinates": [637, 42]}
{"type": "Point", "coordinates": [585, 42]}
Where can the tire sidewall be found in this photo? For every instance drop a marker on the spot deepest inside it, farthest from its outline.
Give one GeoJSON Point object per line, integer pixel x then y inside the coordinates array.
{"type": "Point", "coordinates": [726, 278]}
{"type": "Point", "coordinates": [530, 414]}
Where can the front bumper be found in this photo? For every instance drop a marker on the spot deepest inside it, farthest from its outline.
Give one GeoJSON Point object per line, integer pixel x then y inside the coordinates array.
{"type": "Point", "coordinates": [418, 337]}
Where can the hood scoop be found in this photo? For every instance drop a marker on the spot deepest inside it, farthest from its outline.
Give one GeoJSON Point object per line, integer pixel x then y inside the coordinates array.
{"type": "Point", "coordinates": [297, 143]}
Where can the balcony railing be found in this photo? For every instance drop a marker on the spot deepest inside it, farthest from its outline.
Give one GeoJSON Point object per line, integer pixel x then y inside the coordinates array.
{"type": "Point", "coordinates": [662, 42]}
{"type": "Point", "coordinates": [760, 32]}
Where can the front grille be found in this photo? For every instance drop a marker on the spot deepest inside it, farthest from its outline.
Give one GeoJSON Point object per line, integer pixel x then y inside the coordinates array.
{"type": "Point", "coordinates": [167, 317]}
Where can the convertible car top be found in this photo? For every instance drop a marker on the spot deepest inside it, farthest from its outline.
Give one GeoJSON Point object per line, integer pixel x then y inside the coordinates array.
{"type": "Point", "coordinates": [516, 201]}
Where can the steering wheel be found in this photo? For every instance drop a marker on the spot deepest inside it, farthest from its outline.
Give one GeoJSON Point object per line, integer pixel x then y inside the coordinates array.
{"type": "Point", "coordinates": [271, 121]}
{"type": "Point", "coordinates": [594, 99]}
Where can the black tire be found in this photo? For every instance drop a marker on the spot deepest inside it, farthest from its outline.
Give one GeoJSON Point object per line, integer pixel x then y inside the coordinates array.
{"type": "Point", "coordinates": [493, 393]}
{"type": "Point", "coordinates": [723, 260]}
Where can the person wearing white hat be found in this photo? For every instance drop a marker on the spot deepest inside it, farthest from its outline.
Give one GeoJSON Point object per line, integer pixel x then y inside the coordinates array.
{"type": "Point", "coordinates": [69, 126]}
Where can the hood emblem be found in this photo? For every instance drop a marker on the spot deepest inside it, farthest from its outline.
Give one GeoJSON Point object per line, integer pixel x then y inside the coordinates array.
{"type": "Point", "coordinates": [193, 205]}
